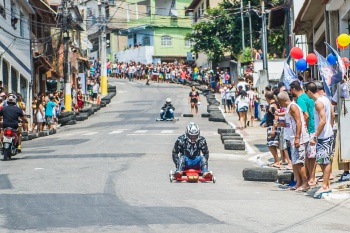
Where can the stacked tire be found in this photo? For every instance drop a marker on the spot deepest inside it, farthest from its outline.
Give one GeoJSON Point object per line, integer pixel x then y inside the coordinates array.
{"type": "Point", "coordinates": [231, 139]}
{"type": "Point", "coordinates": [67, 118]}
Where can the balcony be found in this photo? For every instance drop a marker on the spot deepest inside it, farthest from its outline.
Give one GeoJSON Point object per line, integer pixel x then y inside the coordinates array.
{"type": "Point", "coordinates": [141, 54]}
{"type": "Point", "coordinates": [162, 21]}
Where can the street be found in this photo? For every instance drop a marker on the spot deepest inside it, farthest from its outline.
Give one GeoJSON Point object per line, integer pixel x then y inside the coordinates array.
{"type": "Point", "coordinates": [110, 174]}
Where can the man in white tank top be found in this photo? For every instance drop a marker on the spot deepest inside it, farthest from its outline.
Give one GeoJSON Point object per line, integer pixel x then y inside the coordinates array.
{"type": "Point", "coordinates": [324, 120]}
{"type": "Point", "coordinates": [295, 132]}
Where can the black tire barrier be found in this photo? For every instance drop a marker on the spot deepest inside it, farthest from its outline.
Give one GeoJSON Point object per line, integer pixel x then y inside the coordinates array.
{"type": "Point", "coordinates": [24, 133]}
{"type": "Point", "coordinates": [84, 115]}
{"type": "Point", "coordinates": [30, 137]}
{"type": "Point", "coordinates": [260, 174]}
{"type": "Point", "coordinates": [63, 121]}
{"type": "Point", "coordinates": [46, 132]}
{"type": "Point", "coordinates": [72, 122]}
{"type": "Point", "coordinates": [221, 130]}
{"type": "Point", "coordinates": [65, 114]}
{"type": "Point", "coordinates": [187, 115]}
{"type": "Point", "coordinates": [50, 132]}
{"type": "Point", "coordinates": [34, 135]}
{"type": "Point", "coordinates": [103, 104]}
{"type": "Point", "coordinates": [234, 145]}
{"type": "Point", "coordinates": [81, 118]}
{"type": "Point", "coordinates": [84, 110]}
{"type": "Point", "coordinates": [54, 131]}
{"type": "Point", "coordinates": [285, 177]}
{"type": "Point", "coordinates": [42, 134]}
{"type": "Point", "coordinates": [230, 134]}
{"type": "Point", "coordinates": [217, 119]}
{"type": "Point", "coordinates": [236, 138]}
{"type": "Point", "coordinates": [25, 138]}
{"type": "Point", "coordinates": [205, 115]}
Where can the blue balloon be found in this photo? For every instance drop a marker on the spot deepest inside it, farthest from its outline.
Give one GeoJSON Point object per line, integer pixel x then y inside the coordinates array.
{"type": "Point", "coordinates": [301, 64]}
{"type": "Point", "coordinates": [332, 59]}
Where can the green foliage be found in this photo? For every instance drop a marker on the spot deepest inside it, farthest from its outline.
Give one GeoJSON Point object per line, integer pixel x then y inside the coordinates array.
{"type": "Point", "coordinates": [220, 32]}
{"type": "Point", "coordinates": [245, 55]}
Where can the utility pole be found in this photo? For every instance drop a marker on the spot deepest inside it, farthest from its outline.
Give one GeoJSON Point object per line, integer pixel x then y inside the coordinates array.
{"type": "Point", "coordinates": [250, 30]}
{"type": "Point", "coordinates": [104, 81]}
{"type": "Point", "coordinates": [242, 21]}
{"type": "Point", "coordinates": [67, 87]}
{"type": "Point", "coordinates": [264, 38]}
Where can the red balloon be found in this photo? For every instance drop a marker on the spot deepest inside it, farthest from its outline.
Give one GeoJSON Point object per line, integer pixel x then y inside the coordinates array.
{"type": "Point", "coordinates": [296, 53]}
{"type": "Point", "coordinates": [346, 61]}
{"type": "Point", "coordinates": [311, 59]}
{"type": "Point", "coordinates": [339, 46]}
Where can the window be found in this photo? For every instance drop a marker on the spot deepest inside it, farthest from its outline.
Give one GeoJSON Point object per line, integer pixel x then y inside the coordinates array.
{"type": "Point", "coordinates": [189, 43]}
{"type": "Point", "coordinates": [166, 41]}
{"type": "Point", "coordinates": [21, 25]}
{"type": "Point", "coordinates": [2, 8]}
{"type": "Point", "coordinates": [14, 19]}
{"type": "Point", "coordinates": [208, 4]}
{"type": "Point", "coordinates": [14, 80]}
{"type": "Point", "coordinates": [146, 41]}
{"type": "Point", "coordinates": [202, 8]}
{"type": "Point", "coordinates": [23, 86]}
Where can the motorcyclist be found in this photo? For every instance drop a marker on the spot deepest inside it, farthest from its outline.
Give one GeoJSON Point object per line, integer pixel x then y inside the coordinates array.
{"type": "Point", "coordinates": [167, 111]}
{"type": "Point", "coordinates": [187, 151]}
{"type": "Point", "coordinates": [10, 115]}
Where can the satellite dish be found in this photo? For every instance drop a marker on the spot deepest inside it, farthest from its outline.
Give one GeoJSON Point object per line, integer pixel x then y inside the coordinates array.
{"type": "Point", "coordinates": [174, 12]}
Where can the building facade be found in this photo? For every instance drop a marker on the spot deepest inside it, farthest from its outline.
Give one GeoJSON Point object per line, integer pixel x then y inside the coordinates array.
{"type": "Point", "coordinates": [15, 47]}
{"type": "Point", "coordinates": [156, 32]}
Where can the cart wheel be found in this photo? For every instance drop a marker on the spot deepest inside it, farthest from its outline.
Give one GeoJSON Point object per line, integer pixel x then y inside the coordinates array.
{"type": "Point", "coordinates": [214, 179]}
{"type": "Point", "coordinates": [171, 176]}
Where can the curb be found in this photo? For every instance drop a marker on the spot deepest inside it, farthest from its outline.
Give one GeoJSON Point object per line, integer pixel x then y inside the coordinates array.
{"type": "Point", "coordinates": [62, 128]}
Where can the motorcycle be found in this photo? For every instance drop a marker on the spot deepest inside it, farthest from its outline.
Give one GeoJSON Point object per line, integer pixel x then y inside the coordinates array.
{"type": "Point", "coordinates": [10, 142]}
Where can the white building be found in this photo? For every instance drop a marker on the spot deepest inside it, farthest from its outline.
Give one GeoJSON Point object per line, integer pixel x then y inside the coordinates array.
{"type": "Point", "coordinates": [15, 46]}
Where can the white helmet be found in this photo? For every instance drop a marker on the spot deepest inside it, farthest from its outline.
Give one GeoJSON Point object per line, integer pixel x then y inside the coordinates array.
{"type": "Point", "coordinates": [192, 132]}
{"type": "Point", "coordinates": [12, 99]}
{"type": "Point", "coordinates": [168, 101]}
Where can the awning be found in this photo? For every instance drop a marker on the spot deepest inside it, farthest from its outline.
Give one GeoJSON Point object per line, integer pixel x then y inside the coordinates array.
{"type": "Point", "coordinates": [45, 65]}
{"type": "Point", "coordinates": [52, 74]}
{"type": "Point", "coordinates": [85, 60]}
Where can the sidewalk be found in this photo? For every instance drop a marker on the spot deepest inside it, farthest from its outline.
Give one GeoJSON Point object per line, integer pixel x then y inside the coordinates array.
{"type": "Point", "coordinates": [255, 139]}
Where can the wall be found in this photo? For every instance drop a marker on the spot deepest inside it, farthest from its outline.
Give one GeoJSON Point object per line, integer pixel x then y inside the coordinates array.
{"type": "Point", "coordinates": [163, 7]}
{"type": "Point", "coordinates": [178, 41]}
{"type": "Point", "coordinates": [275, 68]}
{"type": "Point", "coordinates": [141, 54]}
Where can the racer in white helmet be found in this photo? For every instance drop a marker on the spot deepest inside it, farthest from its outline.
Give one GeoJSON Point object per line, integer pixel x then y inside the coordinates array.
{"type": "Point", "coordinates": [167, 111]}
{"type": "Point", "coordinates": [187, 151]}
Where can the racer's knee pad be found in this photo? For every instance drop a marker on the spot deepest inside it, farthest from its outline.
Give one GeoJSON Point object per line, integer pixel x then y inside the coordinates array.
{"type": "Point", "coordinates": [161, 111]}
{"type": "Point", "coordinates": [171, 111]}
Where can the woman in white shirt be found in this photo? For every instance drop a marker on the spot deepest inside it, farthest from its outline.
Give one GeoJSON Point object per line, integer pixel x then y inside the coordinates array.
{"type": "Point", "coordinates": [242, 104]}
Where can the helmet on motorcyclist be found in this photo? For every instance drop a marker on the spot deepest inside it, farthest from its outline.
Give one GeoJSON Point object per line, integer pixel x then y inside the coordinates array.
{"type": "Point", "coordinates": [192, 132]}
{"type": "Point", "coordinates": [168, 101]}
{"type": "Point", "coordinates": [12, 99]}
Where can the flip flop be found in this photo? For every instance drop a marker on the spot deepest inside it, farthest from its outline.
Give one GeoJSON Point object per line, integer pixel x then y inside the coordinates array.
{"type": "Point", "coordinates": [318, 195]}
{"type": "Point", "coordinates": [292, 188]}
{"type": "Point", "coordinates": [301, 189]}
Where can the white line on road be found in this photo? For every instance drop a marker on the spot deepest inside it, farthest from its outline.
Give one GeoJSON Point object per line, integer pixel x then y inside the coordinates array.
{"type": "Point", "coordinates": [91, 133]}
{"type": "Point", "coordinates": [167, 131]}
{"type": "Point", "coordinates": [115, 132]}
{"type": "Point", "coordinates": [140, 131]}
{"type": "Point", "coordinates": [155, 134]}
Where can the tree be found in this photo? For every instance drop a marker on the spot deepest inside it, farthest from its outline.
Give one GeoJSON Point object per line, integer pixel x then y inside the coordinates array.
{"type": "Point", "coordinates": [220, 31]}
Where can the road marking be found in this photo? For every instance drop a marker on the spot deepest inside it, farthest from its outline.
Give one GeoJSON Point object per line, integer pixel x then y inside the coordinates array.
{"type": "Point", "coordinates": [140, 131]}
{"type": "Point", "coordinates": [115, 132]}
{"type": "Point", "coordinates": [167, 131]}
{"type": "Point", "coordinates": [120, 83]}
{"type": "Point", "coordinates": [155, 134]}
{"type": "Point", "coordinates": [91, 133]}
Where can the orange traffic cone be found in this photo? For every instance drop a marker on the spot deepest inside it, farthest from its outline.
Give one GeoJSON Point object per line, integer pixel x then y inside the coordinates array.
{"type": "Point", "coordinates": [98, 100]}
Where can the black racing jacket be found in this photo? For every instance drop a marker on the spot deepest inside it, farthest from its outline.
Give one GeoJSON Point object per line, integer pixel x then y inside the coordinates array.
{"type": "Point", "coordinates": [184, 147]}
{"type": "Point", "coordinates": [166, 106]}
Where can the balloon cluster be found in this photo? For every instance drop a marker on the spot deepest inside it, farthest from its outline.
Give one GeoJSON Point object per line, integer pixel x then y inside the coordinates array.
{"type": "Point", "coordinates": [302, 63]}
{"type": "Point", "coordinates": [343, 42]}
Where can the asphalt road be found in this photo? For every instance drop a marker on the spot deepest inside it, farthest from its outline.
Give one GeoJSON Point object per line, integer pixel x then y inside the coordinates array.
{"type": "Point", "coordinates": [110, 174]}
